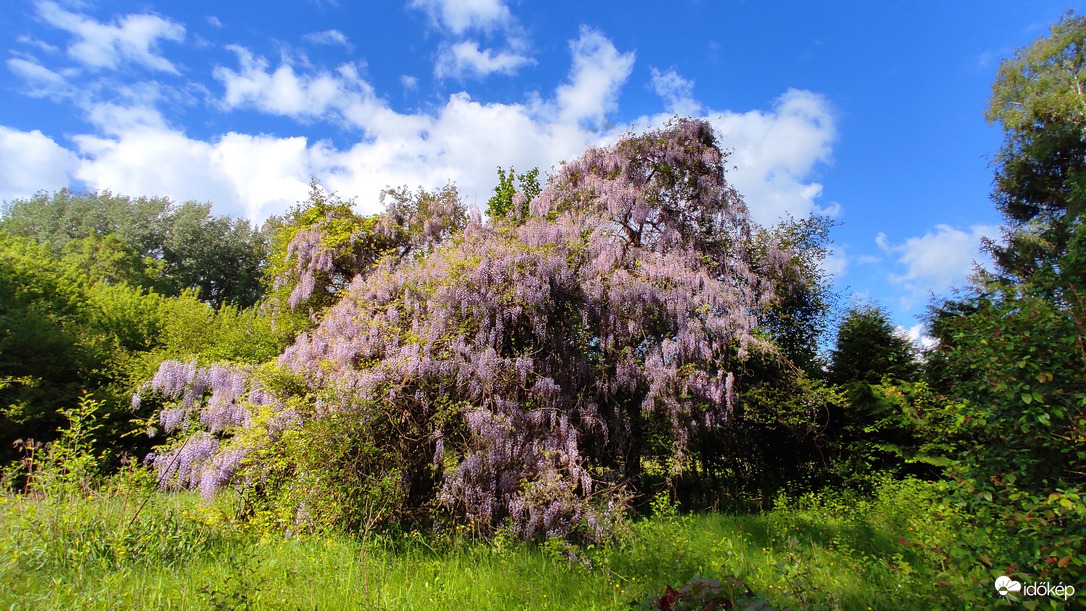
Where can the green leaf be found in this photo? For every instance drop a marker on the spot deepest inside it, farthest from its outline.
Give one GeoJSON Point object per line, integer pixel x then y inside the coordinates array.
{"type": "Point", "coordinates": [1027, 398]}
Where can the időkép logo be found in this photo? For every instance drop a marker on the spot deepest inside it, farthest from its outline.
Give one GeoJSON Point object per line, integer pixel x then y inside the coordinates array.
{"type": "Point", "coordinates": [1008, 587]}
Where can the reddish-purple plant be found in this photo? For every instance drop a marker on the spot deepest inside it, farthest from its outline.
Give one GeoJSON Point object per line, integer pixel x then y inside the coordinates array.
{"type": "Point", "coordinates": [514, 374]}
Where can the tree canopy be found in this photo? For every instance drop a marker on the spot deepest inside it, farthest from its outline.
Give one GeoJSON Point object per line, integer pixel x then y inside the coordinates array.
{"type": "Point", "coordinates": [181, 246]}
{"type": "Point", "coordinates": [508, 201]}
{"type": "Point", "coordinates": [1011, 351]}
{"type": "Point", "coordinates": [1039, 100]}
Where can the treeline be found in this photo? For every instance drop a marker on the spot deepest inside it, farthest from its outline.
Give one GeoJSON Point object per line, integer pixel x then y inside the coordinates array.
{"type": "Point", "coordinates": [624, 330]}
{"type": "Point", "coordinates": [148, 242]}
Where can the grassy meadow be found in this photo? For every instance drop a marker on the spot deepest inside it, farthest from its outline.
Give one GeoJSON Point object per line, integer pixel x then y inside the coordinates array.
{"type": "Point", "coordinates": [110, 549]}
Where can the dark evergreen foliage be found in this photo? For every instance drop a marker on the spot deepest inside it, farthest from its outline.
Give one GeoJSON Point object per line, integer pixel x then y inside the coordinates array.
{"type": "Point", "coordinates": [868, 349]}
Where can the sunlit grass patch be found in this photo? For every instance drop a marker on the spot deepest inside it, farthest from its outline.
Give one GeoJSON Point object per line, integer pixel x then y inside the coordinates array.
{"type": "Point", "coordinates": [816, 552]}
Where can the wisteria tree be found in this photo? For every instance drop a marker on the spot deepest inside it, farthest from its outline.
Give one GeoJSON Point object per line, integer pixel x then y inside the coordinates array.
{"type": "Point", "coordinates": [517, 375]}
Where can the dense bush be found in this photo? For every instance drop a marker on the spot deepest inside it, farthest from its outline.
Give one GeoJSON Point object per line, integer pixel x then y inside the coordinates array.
{"type": "Point", "coordinates": [1022, 412]}
{"type": "Point", "coordinates": [67, 325]}
{"type": "Point", "coordinates": [1012, 351]}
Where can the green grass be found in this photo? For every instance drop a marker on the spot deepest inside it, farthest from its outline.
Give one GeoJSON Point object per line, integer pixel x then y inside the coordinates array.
{"type": "Point", "coordinates": [814, 552]}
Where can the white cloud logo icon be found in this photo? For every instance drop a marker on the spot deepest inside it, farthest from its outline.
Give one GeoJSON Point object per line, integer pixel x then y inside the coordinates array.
{"type": "Point", "coordinates": [1005, 585]}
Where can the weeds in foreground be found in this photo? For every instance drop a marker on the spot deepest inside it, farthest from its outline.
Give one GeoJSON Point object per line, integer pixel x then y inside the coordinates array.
{"type": "Point", "coordinates": [72, 540]}
{"type": "Point", "coordinates": [811, 554]}
{"type": "Point", "coordinates": [66, 515]}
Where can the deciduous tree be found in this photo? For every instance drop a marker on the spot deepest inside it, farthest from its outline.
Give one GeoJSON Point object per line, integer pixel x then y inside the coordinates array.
{"type": "Point", "coordinates": [1039, 99]}
{"type": "Point", "coordinates": [1011, 353]}
{"type": "Point", "coordinates": [221, 258]}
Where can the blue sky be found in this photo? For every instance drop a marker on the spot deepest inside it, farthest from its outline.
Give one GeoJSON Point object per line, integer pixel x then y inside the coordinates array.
{"type": "Point", "coordinates": [870, 112]}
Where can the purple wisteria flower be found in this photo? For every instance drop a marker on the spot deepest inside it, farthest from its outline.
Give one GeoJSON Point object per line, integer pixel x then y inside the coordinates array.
{"type": "Point", "coordinates": [515, 365]}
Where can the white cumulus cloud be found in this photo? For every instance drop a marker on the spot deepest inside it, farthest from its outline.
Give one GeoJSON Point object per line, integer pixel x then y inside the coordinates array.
{"type": "Point", "coordinates": [936, 261]}
{"type": "Point", "coordinates": [132, 38]}
{"type": "Point", "coordinates": [284, 91]}
{"type": "Point", "coordinates": [243, 175]}
{"type": "Point", "coordinates": [775, 152]}
{"type": "Point", "coordinates": [676, 92]}
{"type": "Point", "coordinates": [32, 161]}
{"type": "Point", "coordinates": [458, 16]}
{"type": "Point", "coordinates": [466, 59]}
{"type": "Point", "coordinates": [459, 56]}
{"type": "Point", "coordinates": [134, 149]}
{"type": "Point", "coordinates": [598, 73]}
